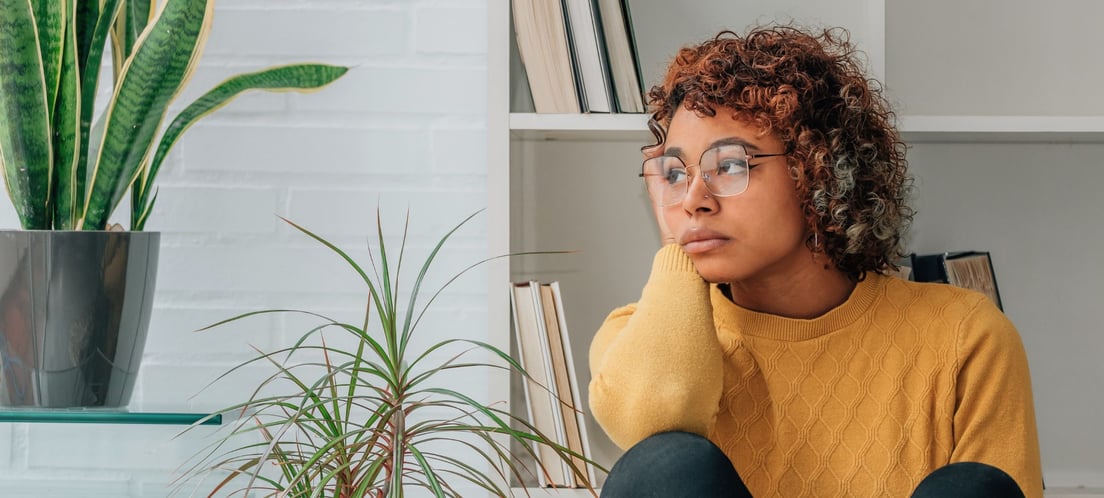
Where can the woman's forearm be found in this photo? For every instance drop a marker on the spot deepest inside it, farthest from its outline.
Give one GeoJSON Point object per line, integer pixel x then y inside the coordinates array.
{"type": "Point", "coordinates": [656, 365]}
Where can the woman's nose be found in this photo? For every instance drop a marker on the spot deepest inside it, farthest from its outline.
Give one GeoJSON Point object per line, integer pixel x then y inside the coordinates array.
{"type": "Point", "coordinates": [698, 197]}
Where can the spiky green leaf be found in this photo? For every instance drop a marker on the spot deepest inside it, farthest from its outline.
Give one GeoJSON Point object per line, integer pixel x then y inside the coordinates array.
{"type": "Point", "coordinates": [69, 179]}
{"type": "Point", "coordinates": [25, 151]}
{"type": "Point", "coordinates": [161, 64]}
{"type": "Point", "coordinates": [96, 30]}
{"type": "Point", "coordinates": [88, 14]}
{"type": "Point", "coordinates": [138, 14]}
{"type": "Point", "coordinates": [128, 27]}
{"type": "Point", "coordinates": [50, 19]}
{"type": "Point", "coordinates": [382, 436]}
{"type": "Point", "coordinates": [296, 77]}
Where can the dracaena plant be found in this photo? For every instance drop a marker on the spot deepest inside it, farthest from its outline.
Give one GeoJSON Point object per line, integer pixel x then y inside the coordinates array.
{"type": "Point", "coordinates": [374, 418]}
{"type": "Point", "coordinates": [61, 171]}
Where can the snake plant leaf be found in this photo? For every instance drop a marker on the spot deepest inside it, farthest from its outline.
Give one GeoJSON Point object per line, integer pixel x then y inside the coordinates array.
{"type": "Point", "coordinates": [143, 207]}
{"type": "Point", "coordinates": [125, 33]}
{"type": "Point", "coordinates": [69, 193]}
{"type": "Point", "coordinates": [162, 61]}
{"type": "Point", "coordinates": [133, 19]}
{"type": "Point", "coordinates": [50, 18]}
{"type": "Point", "coordinates": [295, 77]}
{"type": "Point", "coordinates": [91, 56]}
{"type": "Point", "coordinates": [88, 13]}
{"type": "Point", "coordinates": [25, 152]}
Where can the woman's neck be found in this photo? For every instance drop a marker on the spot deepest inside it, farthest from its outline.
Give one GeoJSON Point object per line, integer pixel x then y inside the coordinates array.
{"type": "Point", "coordinates": [807, 293]}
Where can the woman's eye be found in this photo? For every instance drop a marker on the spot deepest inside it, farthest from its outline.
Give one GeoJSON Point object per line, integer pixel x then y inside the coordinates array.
{"type": "Point", "coordinates": [675, 175]}
{"type": "Point", "coordinates": [732, 167]}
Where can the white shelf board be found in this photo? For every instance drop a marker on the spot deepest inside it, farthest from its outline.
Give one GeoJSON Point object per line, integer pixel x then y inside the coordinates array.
{"type": "Point", "coordinates": [531, 126]}
{"type": "Point", "coordinates": [1002, 128]}
{"type": "Point", "coordinates": [557, 492]}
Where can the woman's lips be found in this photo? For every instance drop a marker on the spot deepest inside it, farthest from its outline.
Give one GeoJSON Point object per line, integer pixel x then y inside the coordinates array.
{"type": "Point", "coordinates": [700, 246]}
{"type": "Point", "coordinates": [697, 241]}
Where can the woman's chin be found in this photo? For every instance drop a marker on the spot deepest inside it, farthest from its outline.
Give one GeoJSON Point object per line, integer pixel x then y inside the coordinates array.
{"type": "Point", "coordinates": [713, 272]}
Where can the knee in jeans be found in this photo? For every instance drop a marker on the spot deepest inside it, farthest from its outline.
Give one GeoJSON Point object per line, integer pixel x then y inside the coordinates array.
{"type": "Point", "coordinates": [679, 451]}
{"type": "Point", "coordinates": [674, 464]}
{"type": "Point", "coordinates": [968, 479]}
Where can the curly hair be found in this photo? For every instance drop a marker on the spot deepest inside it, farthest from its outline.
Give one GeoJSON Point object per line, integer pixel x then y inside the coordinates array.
{"type": "Point", "coordinates": [846, 156]}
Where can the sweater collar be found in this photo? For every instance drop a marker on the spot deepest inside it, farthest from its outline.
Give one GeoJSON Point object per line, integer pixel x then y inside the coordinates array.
{"type": "Point", "coordinates": [729, 315]}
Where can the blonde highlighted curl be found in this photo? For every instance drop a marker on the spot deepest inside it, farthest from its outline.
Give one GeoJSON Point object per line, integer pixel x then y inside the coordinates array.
{"type": "Point", "coordinates": [810, 91]}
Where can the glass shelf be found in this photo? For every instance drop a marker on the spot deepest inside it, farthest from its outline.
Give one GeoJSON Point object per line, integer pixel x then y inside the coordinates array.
{"type": "Point", "coordinates": [94, 416]}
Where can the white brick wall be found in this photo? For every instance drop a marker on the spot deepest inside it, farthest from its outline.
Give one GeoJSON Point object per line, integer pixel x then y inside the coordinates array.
{"type": "Point", "coordinates": [404, 129]}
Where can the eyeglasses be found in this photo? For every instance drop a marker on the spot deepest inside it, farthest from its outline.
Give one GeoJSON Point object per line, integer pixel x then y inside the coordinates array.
{"type": "Point", "coordinates": [725, 169]}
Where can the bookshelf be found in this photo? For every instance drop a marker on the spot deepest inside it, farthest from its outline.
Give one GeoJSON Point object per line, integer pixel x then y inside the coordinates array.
{"type": "Point", "coordinates": [1010, 165]}
{"type": "Point", "coordinates": [915, 129]}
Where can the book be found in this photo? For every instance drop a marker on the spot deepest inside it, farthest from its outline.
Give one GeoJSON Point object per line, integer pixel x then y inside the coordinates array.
{"type": "Point", "coordinates": [565, 384]}
{"type": "Point", "coordinates": [967, 269]}
{"type": "Point", "coordinates": [624, 66]}
{"type": "Point", "coordinates": [588, 55]}
{"type": "Point", "coordinates": [573, 383]}
{"type": "Point", "coordinates": [540, 29]}
{"type": "Point", "coordinates": [542, 402]}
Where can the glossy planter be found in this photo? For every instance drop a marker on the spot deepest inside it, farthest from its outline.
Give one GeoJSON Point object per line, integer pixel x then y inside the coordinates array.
{"type": "Point", "coordinates": [74, 312]}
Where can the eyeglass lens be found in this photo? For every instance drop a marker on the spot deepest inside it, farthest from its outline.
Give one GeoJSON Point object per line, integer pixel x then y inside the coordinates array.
{"type": "Point", "coordinates": [724, 170]}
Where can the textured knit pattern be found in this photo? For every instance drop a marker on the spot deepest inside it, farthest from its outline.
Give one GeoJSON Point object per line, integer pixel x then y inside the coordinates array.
{"type": "Point", "coordinates": [865, 400]}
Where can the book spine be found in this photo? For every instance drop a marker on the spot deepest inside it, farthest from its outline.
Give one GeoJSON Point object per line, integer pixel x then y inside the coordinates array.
{"type": "Point", "coordinates": [619, 58]}
{"type": "Point", "coordinates": [603, 56]}
{"type": "Point", "coordinates": [573, 49]}
{"type": "Point", "coordinates": [588, 54]}
{"type": "Point", "coordinates": [552, 388]}
{"type": "Point", "coordinates": [576, 394]}
{"type": "Point", "coordinates": [538, 386]}
{"type": "Point", "coordinates": [564, 384]}
{"type": "Point", "coordinates": [540, 34]}
{"type": "Point", "coordinates": [635, 52]}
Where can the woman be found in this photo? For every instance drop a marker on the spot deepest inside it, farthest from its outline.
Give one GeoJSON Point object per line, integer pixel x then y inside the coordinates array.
{"type": "Point", "coordinates": [770, 352]}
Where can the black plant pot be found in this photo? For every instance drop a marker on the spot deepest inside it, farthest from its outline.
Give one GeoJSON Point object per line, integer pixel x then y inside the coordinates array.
{"type": "Point", "coordinates": [74, 312]}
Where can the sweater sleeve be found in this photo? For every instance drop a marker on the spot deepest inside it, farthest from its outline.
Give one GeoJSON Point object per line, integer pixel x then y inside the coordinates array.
{"type": "Point", "coordinates": [994, 421]}
{"type": "Point", "coordinates": [656, 366]}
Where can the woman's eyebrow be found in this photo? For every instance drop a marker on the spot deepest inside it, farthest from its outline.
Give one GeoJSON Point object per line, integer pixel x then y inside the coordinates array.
{"type": "Point", "coordinates": [672, 151]}
{"type": "Point", "coordinates": [678, 152]}
{"type": "Point", "coordinates": [734, 141]}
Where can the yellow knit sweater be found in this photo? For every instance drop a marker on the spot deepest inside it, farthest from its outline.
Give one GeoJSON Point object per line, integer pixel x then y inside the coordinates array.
{"type": "Point", "coordinates": [865, 400]}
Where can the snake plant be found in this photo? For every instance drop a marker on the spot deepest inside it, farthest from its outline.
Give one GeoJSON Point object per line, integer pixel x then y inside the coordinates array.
{"type": "Point", "coordinates": [63, 173]}
{"type": "Point", "coordinates": [361, 410]}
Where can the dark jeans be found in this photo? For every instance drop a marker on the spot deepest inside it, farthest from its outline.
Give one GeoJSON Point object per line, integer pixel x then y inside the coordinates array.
{"type": "Point", "coordinates": [680, 464]}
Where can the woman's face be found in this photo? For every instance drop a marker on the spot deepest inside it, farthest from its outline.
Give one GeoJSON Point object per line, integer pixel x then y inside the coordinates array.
{"type": "Point", "coordinates": [755, 235]}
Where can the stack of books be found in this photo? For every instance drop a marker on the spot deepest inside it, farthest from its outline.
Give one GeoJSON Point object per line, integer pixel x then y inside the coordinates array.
{"type": "Point", "coordinates": [968, 269]}
{"type": "Point", "coordinates": [579, 55]}
{"type": "Point", "coordinates": [552, 397]}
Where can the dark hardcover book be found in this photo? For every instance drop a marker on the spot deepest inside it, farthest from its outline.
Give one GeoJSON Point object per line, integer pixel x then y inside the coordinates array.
{"type": "Point", "coordinates": [635, 52]}
{"type": "Point", "coordinates": [589, 60]}
{"type": "Point", "coordinates": [967, 269]}
{"type": "Point", "coordinates": [621, 60]}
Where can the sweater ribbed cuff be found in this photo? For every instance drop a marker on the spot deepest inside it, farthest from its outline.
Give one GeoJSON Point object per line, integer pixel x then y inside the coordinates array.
{"type": "Point", "coordinates": [671, 259]}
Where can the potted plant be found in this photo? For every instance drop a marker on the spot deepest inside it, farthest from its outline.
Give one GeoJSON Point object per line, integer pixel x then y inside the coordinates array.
{"type": "Point", "coordinates": [76, 297]}
{"type": "Point", "coordinates": [371, 418]}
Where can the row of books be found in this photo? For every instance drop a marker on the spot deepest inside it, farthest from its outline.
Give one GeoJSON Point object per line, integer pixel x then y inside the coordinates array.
{"type": "Point", "coordinates": [579, 55]}
{"type": "Point", "coordinates": [552, 394]}
{"type": "Point", "coordinates": [968, 269]}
